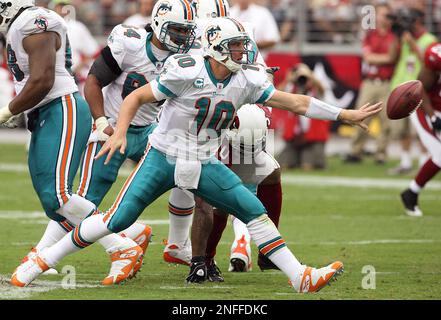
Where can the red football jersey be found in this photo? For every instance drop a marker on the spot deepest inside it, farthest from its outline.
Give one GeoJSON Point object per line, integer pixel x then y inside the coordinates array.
{"type": "Point", "coordinates": [432, 60]}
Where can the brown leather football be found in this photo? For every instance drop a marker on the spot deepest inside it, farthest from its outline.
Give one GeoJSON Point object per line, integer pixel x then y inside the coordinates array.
{"type": "Point", "coordinates": [404, 99]}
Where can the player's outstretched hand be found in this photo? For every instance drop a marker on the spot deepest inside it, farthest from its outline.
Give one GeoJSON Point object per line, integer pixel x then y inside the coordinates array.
{"type": "Point", "coordinates": [356, 117]}
{"type": "Point", "coordinates": [115, 142]}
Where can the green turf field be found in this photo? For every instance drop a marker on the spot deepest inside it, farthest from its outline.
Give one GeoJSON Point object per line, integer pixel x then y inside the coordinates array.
{"type": "Point", "coordinates": [321, 221]}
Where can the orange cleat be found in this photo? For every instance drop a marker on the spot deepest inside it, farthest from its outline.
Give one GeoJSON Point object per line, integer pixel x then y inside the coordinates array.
{"type": "Point", "coordinates": [142, 240]}
{"type": "Point", "coordinates": [123, 265]}
{"type": "Point", "coordinates": [34, 253]}
{"type": "Point", "coordinates": [28, 271]}
{"type": "Point", "coordinates": [240, 258]}
{"type": "Point", "coordinates": [313, 280]}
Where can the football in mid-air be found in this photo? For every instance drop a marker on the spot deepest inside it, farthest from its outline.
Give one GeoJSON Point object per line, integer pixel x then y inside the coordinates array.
{"type": "Point", "coordinates": [404, 99]}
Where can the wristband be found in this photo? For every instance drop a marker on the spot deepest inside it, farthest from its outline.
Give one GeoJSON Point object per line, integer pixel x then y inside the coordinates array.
{"type": "Point", "coordinates": [320, 110]}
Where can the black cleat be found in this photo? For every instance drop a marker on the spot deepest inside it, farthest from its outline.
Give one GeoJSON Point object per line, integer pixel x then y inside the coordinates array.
{"type": "Point", "coordinates": [213, 272]}
{"type": "Point", "coordinates": [237, 265]}
{"type": "Point", "coordinates": [198, 270]}
{"type": "Point", "coordinates": [410, 202]}
{"type": "Point", "coordinates": [266, 264]}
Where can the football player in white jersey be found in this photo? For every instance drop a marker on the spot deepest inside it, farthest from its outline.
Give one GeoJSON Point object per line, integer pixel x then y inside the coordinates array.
{"type": "Point", "coordinates": [202, 95]}
{"type": "Point", "coordinates": [39, 57]}
{"type": "Point", "coordinates": [134, 57]}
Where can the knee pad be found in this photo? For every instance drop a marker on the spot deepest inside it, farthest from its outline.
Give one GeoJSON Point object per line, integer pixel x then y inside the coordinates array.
{"type": "Point", "coordinates": [181, 198]}
{"type": "Point", "coordinates": [76, 209]}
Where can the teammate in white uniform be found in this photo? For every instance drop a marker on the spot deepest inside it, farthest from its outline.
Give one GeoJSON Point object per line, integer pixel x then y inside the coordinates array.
{"type": "Point", "coordinates": [202, 95]}
{"type": "Point", "coordinates": [130, 60]}
{"type": "Point", "coordinates": [39, 57]}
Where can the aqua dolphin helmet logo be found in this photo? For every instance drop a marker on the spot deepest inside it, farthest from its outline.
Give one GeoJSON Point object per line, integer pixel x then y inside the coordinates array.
{"type": "Point", "coordinates": [213, 33]}
{"type": "Point", "coordinates": [164, 8]}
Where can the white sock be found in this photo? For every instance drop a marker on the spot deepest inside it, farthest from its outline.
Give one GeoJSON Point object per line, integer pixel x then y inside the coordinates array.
{"type": "Point", "coordinates": [270, 243]}
{"type": "Point", "coordinates": [406, 159]}
{"type": "Point", "coordinates": [76, 209]}
{"type": "Point", "coordinates": [414, 187]}
{"type": "Point", "coordinates": [240, 230]}
{"type": "Point", "coordinates": [134, 230]}
{"type": "Point", "coordinates": [114, 242]}
{"type": "Point", "coordinates": [181, 205]}
{"type": "Point", "coordinates": [89, 231]}
{"type": "Point", "coordinates": [54, 232]}
{"type": "Point", "coordinates": [423, 159]}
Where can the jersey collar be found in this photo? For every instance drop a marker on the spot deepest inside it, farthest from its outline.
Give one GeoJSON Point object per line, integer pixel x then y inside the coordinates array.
{"type": "Point", "coordinates": [148, 48]}
{"type": "Point", "coordinates": [213, 78]}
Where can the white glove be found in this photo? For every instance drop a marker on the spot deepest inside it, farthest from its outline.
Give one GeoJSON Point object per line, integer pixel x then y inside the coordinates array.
{"type": "Point", "coordinates": [13, 122]}
{"type": "Point", "coordinates": [98, 135]}
{"type": "Point", "coordinates": [5, 114]}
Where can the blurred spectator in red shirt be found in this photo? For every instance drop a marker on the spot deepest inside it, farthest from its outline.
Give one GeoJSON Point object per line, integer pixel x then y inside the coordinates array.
{"type": "Point", "coordinates": [305, 138]}
{"type": "Point", "coordinates": [380, 54]}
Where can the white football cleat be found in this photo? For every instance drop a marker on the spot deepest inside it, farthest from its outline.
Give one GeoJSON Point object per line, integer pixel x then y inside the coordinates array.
{"type": "Point", "coordinates": [28, 272]}
{"type": "Point", "coordinates": [33, 254]}
{"type": "Point", "coordinates": [176, 254]}
{"type": "Point", "coordinates": [240, 258]}
{"type": "Point", "coordinates": [313, 280]}
{"type": "Point", "coordinates": [416, 212]}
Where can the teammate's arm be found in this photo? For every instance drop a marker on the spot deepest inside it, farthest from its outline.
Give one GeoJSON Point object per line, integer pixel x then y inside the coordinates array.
{"type": "Point", "coordinates": [104, 71]}
{"type": "Point", "coordinates": [316, 109]}
{"type": "Point", "coordinates": [42, 50]}
{"type": "Point", "coordinates": [127, 112]}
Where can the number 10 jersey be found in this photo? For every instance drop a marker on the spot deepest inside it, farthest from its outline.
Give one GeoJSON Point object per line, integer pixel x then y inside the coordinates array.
{"type": "Point", "coordinates": [198, 107]}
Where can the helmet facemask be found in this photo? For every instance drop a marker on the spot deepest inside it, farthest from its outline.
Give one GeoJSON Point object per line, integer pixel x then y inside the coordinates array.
{"type": "Point", "coordinates": [10, 9]}
{"type": "Point", "coordinates": [178, 38]}
{"type": "Point", "coordinates": [5, 16]}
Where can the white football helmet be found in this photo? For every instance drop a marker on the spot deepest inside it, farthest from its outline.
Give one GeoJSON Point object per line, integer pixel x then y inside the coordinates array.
{"type": "Point", "coordinates": [226, 41]}
{"type": "Point", "coordinates": [249, 129]}
{"type": "Point", "coordinates": [209, 9]}
{"type": "Point", "coordinates": [9, 9]}
{"type": "Point", "coordinates": [174, 24]}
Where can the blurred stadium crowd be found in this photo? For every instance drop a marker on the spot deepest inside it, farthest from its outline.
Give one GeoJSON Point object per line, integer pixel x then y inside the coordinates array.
{"type": "Point", "coordinates": [321, 47]}
{"type": "Point", "coordinates": [329, 21]}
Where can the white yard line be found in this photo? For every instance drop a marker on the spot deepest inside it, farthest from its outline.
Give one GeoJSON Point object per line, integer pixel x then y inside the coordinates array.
{"type": "Point", "coordinates": [353, 182]}
{"type": "Point", "coordinates": [36, 217]}
{"type": "Point", "coordinates": [294, 179]}
{"type": "Point", "coordinates": [13, 167]}
{"type": "Point", "coordinates": [38, 286]}
{"type": "Point", "coordinates": [39, 217]}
